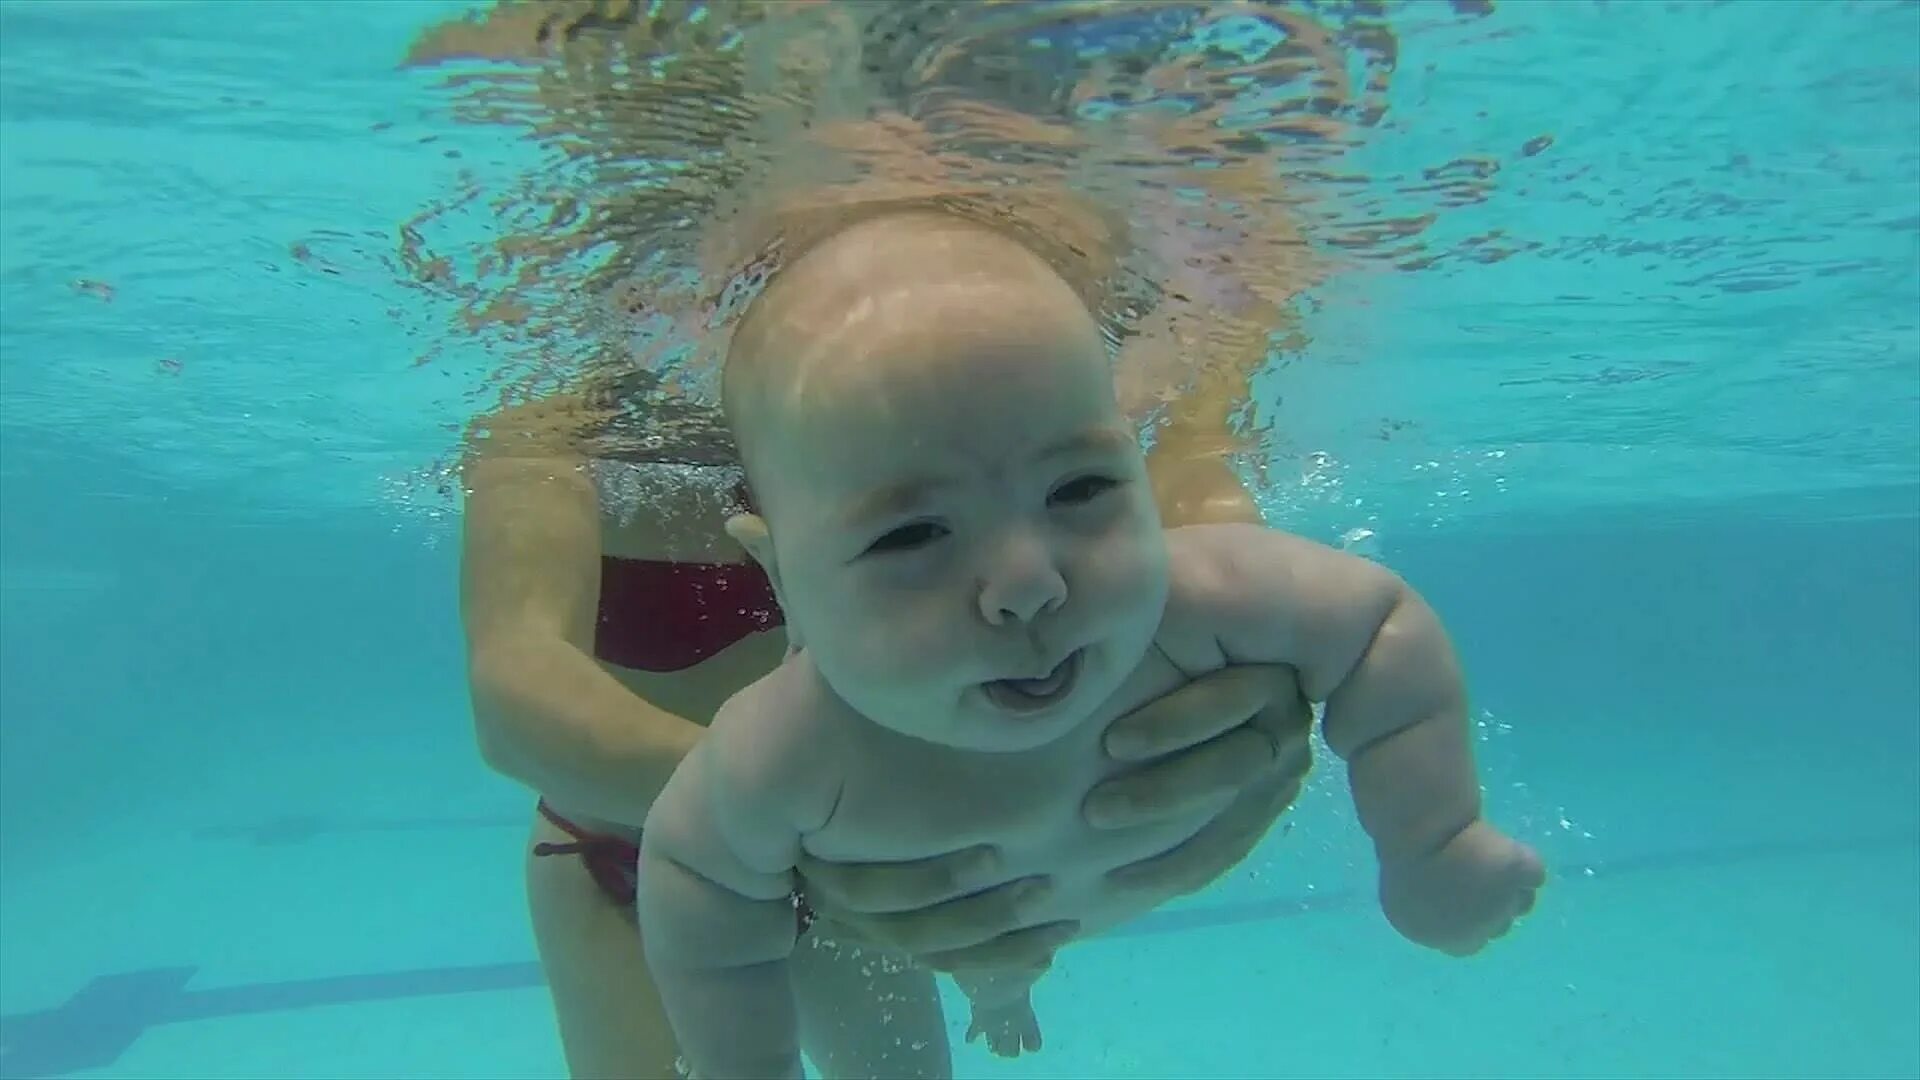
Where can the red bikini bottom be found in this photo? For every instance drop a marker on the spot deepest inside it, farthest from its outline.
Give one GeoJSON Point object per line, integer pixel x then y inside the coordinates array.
{"type": "Point", "coordinates": [614, 864]}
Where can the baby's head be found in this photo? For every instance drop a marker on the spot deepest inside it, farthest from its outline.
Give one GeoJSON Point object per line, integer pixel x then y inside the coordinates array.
{"type": "Point", "coordinates": [952, 507]}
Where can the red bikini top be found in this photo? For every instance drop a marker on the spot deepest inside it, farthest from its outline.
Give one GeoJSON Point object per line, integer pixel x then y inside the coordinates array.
{"type": "Point", "coordinates": [667, 616]}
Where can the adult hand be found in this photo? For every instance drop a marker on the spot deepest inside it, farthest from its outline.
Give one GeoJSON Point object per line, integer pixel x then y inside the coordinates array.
{"type": "Point", "coordinates": [1239, 732]}
{"type": "Point", "coordinates": [952, 912]}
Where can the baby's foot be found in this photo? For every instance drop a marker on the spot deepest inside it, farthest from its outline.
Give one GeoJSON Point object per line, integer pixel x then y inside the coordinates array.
{"type": "Point", "coordinates": [1009, 1026]}
{"type": "Point", "coordinates": [1464, 895]}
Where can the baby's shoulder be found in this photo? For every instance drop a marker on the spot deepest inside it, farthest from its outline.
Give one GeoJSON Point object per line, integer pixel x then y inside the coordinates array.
{"type": "Point", "coordinates": [780, 736]}
{"type": "Point", "coordinates": [1209, 566]}
{"type": "Point", "coordinates": [1204, 583]}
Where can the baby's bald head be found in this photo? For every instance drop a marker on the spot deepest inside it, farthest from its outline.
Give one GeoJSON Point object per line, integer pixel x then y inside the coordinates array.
{"type": "Point", "coordinates": [886, 292]}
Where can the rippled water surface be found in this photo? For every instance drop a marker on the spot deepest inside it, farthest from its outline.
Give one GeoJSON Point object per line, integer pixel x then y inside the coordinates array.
{"type": "Point", "coordinates": [1567, 253]}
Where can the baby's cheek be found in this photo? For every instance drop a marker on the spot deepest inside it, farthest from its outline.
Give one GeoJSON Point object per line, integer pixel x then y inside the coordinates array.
{"type": "Point", "coordinates": [1128, 575]}
{"type": "Point", "coordinates": [896, 639]}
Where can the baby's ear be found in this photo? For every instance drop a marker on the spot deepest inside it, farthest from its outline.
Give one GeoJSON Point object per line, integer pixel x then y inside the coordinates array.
{"type": "Point", "coordinates": [750, 531]}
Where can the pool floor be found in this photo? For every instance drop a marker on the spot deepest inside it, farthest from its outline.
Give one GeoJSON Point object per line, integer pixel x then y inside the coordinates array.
{"type": "Point", "coordinates": [373, 942]}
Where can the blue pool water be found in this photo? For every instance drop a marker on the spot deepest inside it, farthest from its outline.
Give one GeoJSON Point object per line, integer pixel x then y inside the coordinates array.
{"type": "Point", "coordinates": [1643, 423]}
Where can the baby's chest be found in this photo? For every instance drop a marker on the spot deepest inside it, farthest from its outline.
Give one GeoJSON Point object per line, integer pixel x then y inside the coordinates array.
{"type": "Point", "coordinates": [1030, 806]}
{"type": "Point", "coordinates": [1030, 815]}
{"type": "Point", "coordinates": [908, 807]}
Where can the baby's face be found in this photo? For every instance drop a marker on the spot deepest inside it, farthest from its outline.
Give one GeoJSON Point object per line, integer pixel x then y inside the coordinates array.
{"type": "Point", "coordinates": [964, 536]}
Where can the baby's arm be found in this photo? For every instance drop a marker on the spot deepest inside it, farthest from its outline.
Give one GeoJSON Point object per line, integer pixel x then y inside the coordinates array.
{"type": "Point", "coordinates": [1368, 646]}
{"type": "Point", "coordinates": [715, 885]}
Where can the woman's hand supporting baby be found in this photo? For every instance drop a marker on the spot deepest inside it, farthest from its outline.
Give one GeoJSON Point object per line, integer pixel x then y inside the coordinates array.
{"type": "Point", "coordinates": [1241, 729]}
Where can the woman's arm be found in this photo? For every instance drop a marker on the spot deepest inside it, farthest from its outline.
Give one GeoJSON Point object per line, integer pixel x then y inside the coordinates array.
{"type": "Point", "coordinates": [545, 713]}
{"type": "Point", "coordinates": [1191, 463]}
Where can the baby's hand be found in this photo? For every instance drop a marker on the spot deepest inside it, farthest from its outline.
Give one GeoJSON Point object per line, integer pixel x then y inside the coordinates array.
{"type": "Point", "coordinates": [1464, 895]}
{"type": "Point", "coordinates": [1008, 1026]}
{"type": "Point", "coordinates": [1003, 1009]}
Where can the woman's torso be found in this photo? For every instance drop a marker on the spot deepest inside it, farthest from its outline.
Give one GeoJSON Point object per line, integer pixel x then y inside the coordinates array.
{"type": "Point", "coordinates": [668, 571]}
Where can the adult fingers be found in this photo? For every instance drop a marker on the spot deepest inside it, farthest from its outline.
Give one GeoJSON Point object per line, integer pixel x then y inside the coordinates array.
{"type": "Point", "coordinates": [1182, 783]}
{"type": "Point", "coordinates": [838, 888]}
{"type": "Point", "coordinates": [1030, 947]}
{"type": "Point", "coordinates": [953, 925]}
{"type": "Point", "coordinates": [1191, 714]}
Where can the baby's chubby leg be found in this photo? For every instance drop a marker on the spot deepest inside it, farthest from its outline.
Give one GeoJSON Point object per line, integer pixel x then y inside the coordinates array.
{"type": "Point", "coordinates": [867, 1014]}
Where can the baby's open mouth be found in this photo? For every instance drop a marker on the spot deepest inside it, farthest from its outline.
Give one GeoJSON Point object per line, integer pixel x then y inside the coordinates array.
{"type": "Point", "coordinates": [1033, 695]}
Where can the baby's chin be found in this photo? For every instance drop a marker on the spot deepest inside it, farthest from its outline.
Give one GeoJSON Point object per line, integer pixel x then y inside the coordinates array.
{"type": "Point", "coordinates": [998, 718]}
{"type": "Point", "coordinates": [989, 734]}
{"type": "Point", "coordinates": [977, 722]}
{"type": "Point", "coordinates": [972, 723]}
{"type": "Point", "coordinates": [1016, 736]}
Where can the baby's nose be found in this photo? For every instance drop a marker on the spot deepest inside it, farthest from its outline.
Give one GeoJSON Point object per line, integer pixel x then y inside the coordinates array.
{"type": "Point", "coordinates": [1023, 586]}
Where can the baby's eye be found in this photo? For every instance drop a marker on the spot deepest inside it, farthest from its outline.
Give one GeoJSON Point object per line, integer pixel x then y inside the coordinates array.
{"type": "Point", "coordinates": [907, 538]}
{"type": "Point", "coordinates": [1082, 489]}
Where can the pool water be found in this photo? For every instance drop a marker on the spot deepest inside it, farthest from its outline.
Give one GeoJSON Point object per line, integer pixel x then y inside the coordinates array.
{"type": "Point", "coordinates": [1641, 418]}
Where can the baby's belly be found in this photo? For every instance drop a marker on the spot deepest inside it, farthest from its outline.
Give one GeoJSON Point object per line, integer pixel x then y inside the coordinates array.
{"type": "Point", "coordinates": [1051, 841]}
{"type": "Point", "coordinates": [909, 800]}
